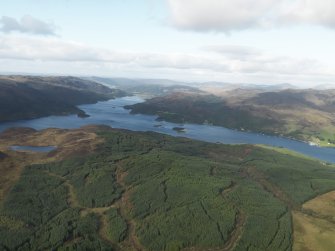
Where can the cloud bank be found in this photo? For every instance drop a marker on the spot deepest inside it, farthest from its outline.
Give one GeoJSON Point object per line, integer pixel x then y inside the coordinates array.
{"type": "Point", "coordinates": [218, 59]}
{"type": "Point", "coordinates": [229, 15]}
{"type": "Point", "coordinates": [27, 24]}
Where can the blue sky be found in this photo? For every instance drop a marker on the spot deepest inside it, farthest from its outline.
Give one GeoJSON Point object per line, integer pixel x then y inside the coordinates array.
{"type": "Point", "coordinates": [264, 41]}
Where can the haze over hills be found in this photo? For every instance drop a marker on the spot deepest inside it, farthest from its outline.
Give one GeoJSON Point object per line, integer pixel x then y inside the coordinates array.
{"type": "Point", "coordinates": [27, 97]}
{"type": "Point", "coordinates": [147, 87]}
{"type": "Point", "coordinates": [164, 86]}
{"type": "Point", "coordinates": [137, 82]}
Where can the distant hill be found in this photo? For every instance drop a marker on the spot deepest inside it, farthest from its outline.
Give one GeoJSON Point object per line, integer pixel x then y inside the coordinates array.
{"type": "Point", "coordinates": [155, 87]}
{"type": "Point", "coordinates": [147, 87]}
{"type": "Point", "coordinates": [27, 97]}
{"type": "Point", "coordinates": [201, 109]}
{"type": "Point", "coordinates": [307, 115]}
{"type": "Point", "coordinates": [137, 81]}
{"type": "Point", "coordinates": [310, 98]}
{"type": "Point", "coordinates": [226, 89]}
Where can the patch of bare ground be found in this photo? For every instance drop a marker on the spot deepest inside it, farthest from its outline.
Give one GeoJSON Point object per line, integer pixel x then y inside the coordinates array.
{"type": "Point", "coordinates": [314, 225]}
{"type": "Point", "coordinates": [312, 233]}
{"type": "Point", "coordinates": [323, 206]}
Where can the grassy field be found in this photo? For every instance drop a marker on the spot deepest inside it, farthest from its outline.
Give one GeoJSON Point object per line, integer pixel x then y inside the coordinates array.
{"type": "Point", "coordinates": [147, 191]}
{"type": "Point", "coordinates": [313, 233]}
{"type": "Point", "coordinates": [315, 227]}
{"type": "Point", "coordinates": [323, 205]}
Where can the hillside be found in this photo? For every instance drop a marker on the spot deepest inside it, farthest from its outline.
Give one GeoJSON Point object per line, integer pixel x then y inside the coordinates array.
{"type": "Point", "coordinates": [27, 97]}
{"type": "Point", "coordinates": [146, 191]}
{"type": "Point", "coordinates": [148, 87]}
{"type": "Point", "coordinates": [306, 115]}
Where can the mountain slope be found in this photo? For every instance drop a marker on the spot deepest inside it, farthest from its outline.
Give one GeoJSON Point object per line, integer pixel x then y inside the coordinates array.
{"type": "Point", "coordinates": [300, 114]}
{"type": "Point", "coordinates": [27, 97]}
{"type": "Point", "coordinates": [148, 87]}
{"type": "Point", "coordinates": [148, 191]}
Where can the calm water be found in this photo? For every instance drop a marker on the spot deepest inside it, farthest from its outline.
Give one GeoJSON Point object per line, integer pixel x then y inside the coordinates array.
{"type": "Point", "coordinates": [41, 149]}
{"type": "Point", "coordinates": [113, 114]}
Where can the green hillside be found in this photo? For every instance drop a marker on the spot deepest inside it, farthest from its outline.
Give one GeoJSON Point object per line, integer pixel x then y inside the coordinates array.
{"type": "Point", "coordinates": [306, 115]}
{"type": "Point", "coordinates": [147, 191]}
{"type": "Point", "coordinates": [28, 97]}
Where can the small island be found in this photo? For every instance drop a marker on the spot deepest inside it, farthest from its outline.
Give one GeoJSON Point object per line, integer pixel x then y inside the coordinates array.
{"type": "Point", "coordinates": [82, 114]}
{"type": "Point", "coordinates": [179, 129]}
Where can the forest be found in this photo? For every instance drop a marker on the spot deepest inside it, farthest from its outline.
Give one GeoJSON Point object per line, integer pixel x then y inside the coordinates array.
{"type": "Point", "coordinates": [148, 191]}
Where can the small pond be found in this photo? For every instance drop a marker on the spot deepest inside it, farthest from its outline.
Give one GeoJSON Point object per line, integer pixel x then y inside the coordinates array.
{"type": "Point", "coordinates": [41, 149]}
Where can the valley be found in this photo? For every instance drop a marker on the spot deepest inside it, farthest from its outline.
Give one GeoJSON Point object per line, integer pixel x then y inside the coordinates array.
{"type": "Point", "coordinates": [171, 125]}
{"type": "Point", "coordinates": [102, 188]}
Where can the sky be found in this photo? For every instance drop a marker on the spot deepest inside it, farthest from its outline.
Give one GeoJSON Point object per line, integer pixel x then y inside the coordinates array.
{"type": "Point", "coordinates": [240, 41]}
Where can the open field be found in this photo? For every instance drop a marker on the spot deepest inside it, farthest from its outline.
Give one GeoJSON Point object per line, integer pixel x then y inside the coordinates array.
{"type": "Point", "coordinates": [314, 228]}
{"type": "Point", "coordinates": [147, 191]}
{"type": "Point", "coordinates": [312, 233]}
{"type": "Point", "coordinates": [324, 205]}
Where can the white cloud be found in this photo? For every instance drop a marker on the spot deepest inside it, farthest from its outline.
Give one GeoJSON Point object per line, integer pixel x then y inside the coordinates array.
{"type": "Point", "coordinates": [234, 51]}
{"type": "Point", "coordinates": [321, 12]}
{"type": "Point", "coordinates": [27, 24]}
{"type": "Point", "coordinates": [54, 49]}
{"type": "Point", "coordinates": [211, 61]}
{"type": "Point", "coordinates": [228, 15]}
